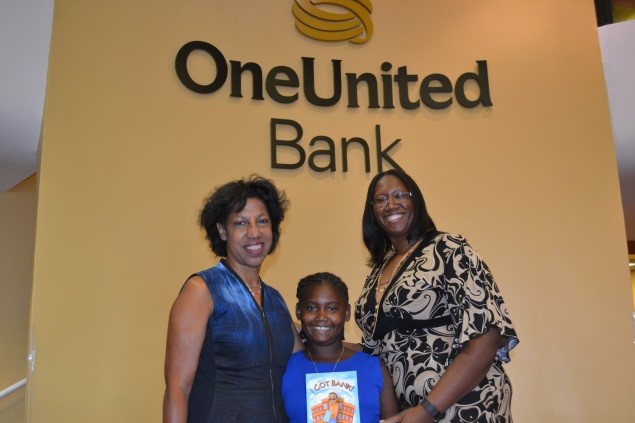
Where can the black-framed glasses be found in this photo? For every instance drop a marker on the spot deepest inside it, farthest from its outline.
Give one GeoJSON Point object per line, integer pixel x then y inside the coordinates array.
{"type": "Point", "coordinates": [398, 197]}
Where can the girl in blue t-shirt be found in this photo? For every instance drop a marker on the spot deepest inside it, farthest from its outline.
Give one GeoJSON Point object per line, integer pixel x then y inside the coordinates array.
{"type": "Point", "coordinates": [328, 382]}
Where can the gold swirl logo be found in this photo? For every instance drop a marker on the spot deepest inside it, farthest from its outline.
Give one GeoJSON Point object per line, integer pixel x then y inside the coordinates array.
{"type": "Point", "coordinates": [342, 20]}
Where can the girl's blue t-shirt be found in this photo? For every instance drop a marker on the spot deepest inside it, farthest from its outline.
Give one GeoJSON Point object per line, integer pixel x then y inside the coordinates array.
{"type": "Point", "coordinates": [369, 383]}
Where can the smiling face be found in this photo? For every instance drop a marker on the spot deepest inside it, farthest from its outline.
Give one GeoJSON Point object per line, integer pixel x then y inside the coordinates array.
{"type": "Point", "coordinates": [395, 217]}
{"type": "Point", "coordinates": [323, 313]}
{"type": "Point", "coordinates": [249, 236]}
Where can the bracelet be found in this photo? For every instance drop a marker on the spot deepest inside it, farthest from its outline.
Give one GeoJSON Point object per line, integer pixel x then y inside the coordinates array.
{"type": "Point", "coordinates": [430, 408]}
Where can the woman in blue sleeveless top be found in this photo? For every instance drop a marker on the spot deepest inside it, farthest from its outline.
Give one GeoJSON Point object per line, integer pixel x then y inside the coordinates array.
{"type": "Point", "coordinates": [230, 335]}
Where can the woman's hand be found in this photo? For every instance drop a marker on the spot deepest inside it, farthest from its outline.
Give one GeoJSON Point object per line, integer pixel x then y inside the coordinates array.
{"type": "Point", "coordinates": [416, 414]}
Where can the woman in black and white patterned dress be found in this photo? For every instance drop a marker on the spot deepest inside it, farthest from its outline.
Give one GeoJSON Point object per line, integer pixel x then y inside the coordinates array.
{"type": "Point", "coordinates": [431, 310]}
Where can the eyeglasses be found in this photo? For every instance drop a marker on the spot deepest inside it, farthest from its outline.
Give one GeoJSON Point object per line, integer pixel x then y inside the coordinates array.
{"type": "Point", "coordinates": [398, 197]}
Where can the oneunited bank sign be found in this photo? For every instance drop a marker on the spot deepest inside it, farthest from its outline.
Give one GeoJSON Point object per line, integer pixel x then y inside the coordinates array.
{"type": "Point", "coordinates": [390, 86]}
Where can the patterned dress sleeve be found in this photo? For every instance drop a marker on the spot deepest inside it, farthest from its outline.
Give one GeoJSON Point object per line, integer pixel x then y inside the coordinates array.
{"type": "Point", "coordinates": [475, 302]}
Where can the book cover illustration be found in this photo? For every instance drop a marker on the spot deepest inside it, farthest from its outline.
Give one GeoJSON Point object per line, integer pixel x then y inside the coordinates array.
{"type": "Point", "coordinates": [332, 397]}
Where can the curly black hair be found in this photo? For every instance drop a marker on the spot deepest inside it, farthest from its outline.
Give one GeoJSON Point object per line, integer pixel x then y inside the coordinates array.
{"type": "Point", "coordinates": [231, 198]}
{"type": "Point", "coordinates": [375, 238]}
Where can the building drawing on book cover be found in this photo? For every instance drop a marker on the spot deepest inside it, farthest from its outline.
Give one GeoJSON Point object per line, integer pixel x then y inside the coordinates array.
{"type": "Point", "coordinates": [332, 397]}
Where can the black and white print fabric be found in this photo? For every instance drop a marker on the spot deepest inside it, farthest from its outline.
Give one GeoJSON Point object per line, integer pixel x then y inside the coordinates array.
{"type": "Point", "coordinates": [443, 276]}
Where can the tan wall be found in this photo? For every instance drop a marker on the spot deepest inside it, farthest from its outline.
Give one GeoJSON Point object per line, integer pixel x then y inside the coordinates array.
{"type": "Point", "coordinates": [17, 244]}
{"type": "Point", "coordinates": [128, 153]}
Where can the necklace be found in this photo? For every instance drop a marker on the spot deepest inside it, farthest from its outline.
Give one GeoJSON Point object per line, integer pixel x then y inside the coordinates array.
{"type": "Point", "coordinates": [256, 289]}
{"type": "Point", "coordinates": [382, 286]}
{"type": "Point", "coordinates": [392, 275]}
{"type": "Point", "coordinates": [308, 350]}
{"type": "Point", "coordinates": [382, 289]}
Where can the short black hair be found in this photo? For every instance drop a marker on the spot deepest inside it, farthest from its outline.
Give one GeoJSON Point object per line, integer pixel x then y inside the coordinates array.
{"type": "Point", "coordinates": [231, 198]}
{"type": "Point", "coordinates": [321, 278]}
{"type": "Point", "coordinates": [375, 238]}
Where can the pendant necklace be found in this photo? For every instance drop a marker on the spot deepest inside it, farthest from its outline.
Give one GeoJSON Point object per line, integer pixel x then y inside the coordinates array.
{"type": "Point", "coordinates": [308, 350]}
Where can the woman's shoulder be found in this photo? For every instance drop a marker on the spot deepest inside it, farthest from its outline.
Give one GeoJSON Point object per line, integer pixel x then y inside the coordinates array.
{"type": "Point", "coordinates": [450, 240]}
{"type": "Point", "coordinates": [201, 277]}
{"type": "Point", "coordinates": [211, 272]}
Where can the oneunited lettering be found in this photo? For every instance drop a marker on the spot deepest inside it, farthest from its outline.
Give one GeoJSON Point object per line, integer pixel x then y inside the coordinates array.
{"type": "Point", "coordinates": [388, 89]}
